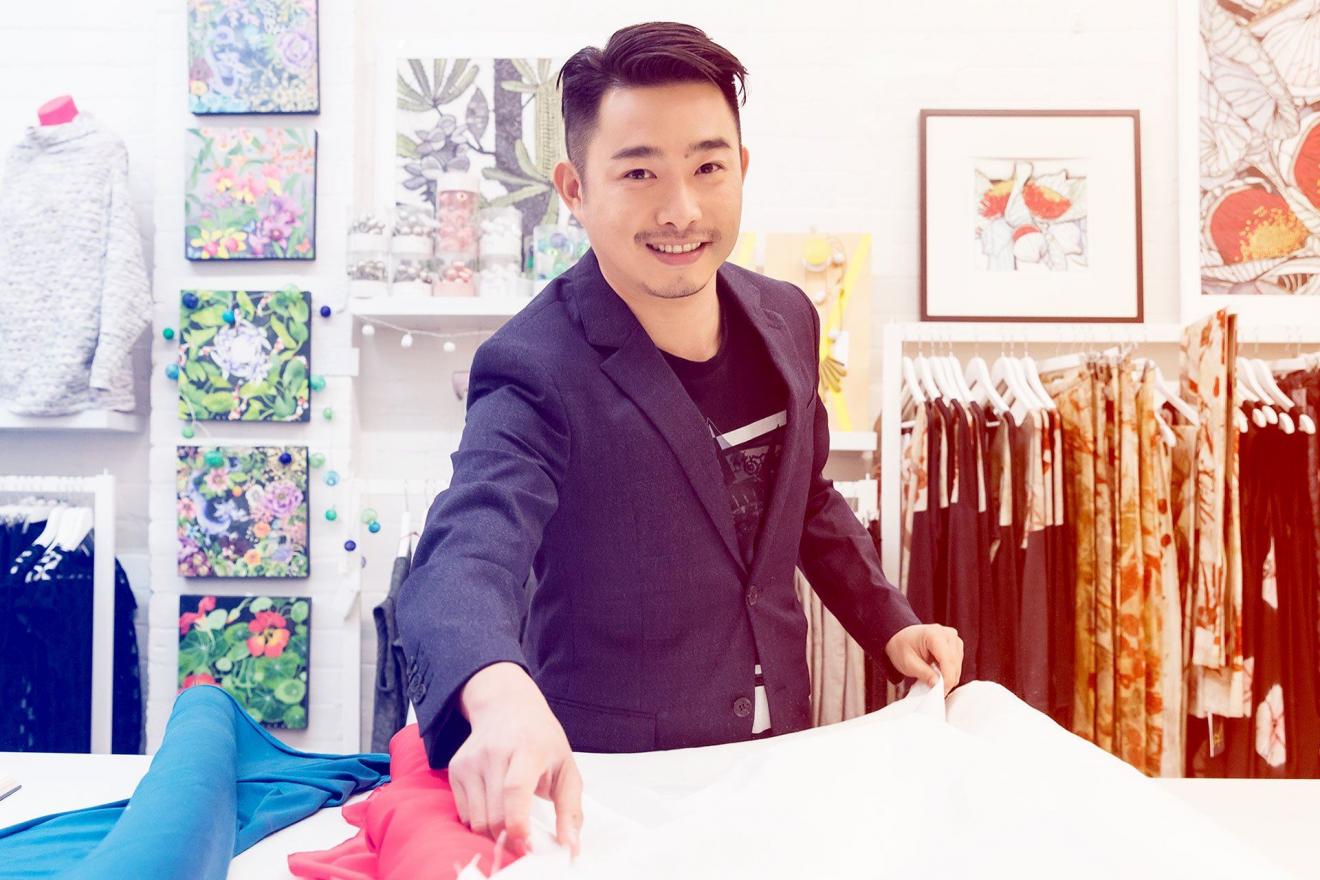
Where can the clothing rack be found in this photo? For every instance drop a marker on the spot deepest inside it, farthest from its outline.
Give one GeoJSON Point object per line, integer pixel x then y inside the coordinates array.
{"type": "Point", "coordinates": [102, 490]}
{"type": "Point", "coordinates": [1086, 336]}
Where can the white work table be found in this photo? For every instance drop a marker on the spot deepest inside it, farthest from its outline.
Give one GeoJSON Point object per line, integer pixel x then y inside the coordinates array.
{"type": "Point", "coordinates": [1276, 815]}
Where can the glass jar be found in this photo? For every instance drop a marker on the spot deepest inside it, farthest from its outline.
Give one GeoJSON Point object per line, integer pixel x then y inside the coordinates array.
{"type": "Point", "coordinates": [367, 253]}
{"type": "Point", "coordinates": [414, 231]}
{"type": "Point", "coordinates": [501, 252]}
{"type": "Point", "coordinates": [457, 194]}
{"type": "Point", "coordinates": [556, 249]}
{"type": "Point", "coordinates": [412, 276]}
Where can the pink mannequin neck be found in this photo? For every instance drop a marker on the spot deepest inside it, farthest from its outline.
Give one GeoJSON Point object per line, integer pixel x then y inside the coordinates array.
{"type": "Point", "coordinates": [58, 111]}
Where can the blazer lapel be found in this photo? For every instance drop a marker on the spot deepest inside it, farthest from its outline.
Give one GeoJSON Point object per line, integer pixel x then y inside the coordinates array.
{"type": "Point", "coordinates": [640, 372]}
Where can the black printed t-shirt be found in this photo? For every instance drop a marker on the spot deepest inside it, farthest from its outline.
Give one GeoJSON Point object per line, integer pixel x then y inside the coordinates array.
{"type": "Point", "coordinates": [743, 399]}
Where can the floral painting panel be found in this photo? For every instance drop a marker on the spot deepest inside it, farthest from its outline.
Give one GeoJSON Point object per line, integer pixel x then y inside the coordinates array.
{"type": "Point", "coordinates": [1259, 115]}
{"type": "Point", "coordinates": [499, 118]}
{"type": "Point", "coordinates": [250, 194]}
{"type": "Point", "coordinates": [242, 511]}
{"type": "Point", "coordinates": [1030, 216]}
{"type": "Point", "coordinates": [253, 57]}
{"type": "Point", "coordinates": [245, 356]}
{"type": "Point", "coordinates": [258, 648]}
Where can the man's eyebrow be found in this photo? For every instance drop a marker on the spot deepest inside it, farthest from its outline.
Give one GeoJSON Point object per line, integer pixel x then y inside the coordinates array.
{"type": "Point", "coordinates": [645, 151]}
{"type": "Point", "coordinates": [641, 151]}
{"type": "Point", "coordinates": [709, 144]}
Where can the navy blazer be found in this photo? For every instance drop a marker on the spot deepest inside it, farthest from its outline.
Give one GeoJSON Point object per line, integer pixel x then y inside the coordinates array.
{"type": "Point", "coordinates": [584, 462]}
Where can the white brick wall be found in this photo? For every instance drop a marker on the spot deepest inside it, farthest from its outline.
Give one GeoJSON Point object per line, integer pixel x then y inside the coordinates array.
{"type": "Point", "coordinates": [831, 122]}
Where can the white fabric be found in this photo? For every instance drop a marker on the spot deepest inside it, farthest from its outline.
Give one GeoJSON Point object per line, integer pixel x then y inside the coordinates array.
{"type": "Point", "coordinates": [74, 293]}
{"type": "Point", "coordinates": [993, 789]}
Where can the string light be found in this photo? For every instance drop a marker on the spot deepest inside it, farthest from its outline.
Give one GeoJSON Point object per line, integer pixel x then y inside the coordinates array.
{"type": "Point", "coordinates": [370, 326]}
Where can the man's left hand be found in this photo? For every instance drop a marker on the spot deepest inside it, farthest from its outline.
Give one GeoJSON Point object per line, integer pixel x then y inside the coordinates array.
{"type": "Point", "coordinates": [914, 648]}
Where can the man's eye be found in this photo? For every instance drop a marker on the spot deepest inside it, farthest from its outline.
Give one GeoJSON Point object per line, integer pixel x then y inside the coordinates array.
{"type": "Point", "coordinates": [637, 174]}
{"type": "Point", "coordinates": [709, 168]}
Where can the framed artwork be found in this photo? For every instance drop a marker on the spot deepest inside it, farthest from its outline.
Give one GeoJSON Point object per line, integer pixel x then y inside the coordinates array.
{"type": "Point", "coordinates": [497, 117]}
{"type": "Point", "coordinates": [242, 511]}
{"type": "Point", "coordinates": [250, 194]}
{"type": "Point", "coordinates": [252, 368]}
{"type": "Point", "coordinates": [253, 57]}
{"type": "Point", "coordinates": [258, 648]}
{"type": "Point", "coordinates": [1249, 159]}
{"type": "Point", "coordinates": [1031, 215]}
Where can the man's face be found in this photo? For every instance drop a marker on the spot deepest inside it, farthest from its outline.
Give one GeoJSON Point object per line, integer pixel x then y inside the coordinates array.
{"type": "Point", "coordinates": [663, 170]}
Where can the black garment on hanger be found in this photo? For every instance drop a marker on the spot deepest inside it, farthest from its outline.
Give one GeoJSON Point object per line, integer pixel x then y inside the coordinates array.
{"type": "Point", "coordinates": [1033, 635]}
{"type": "Point", "coordinates": [964, 573]}
{"type": "Point", "coordinates": [46, 650]}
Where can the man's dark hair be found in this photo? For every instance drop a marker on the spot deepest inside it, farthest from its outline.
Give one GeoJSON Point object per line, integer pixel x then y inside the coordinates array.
{"type": "Point", "coordinates": [652, 54]}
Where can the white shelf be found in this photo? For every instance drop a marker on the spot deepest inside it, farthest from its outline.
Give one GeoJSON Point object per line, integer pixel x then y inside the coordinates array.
{"type": "Point", "coordinates": [91, 420]}
{"type": "Point", "coordinates": [436, 307]}
{"type": "Point", "coordinates": [852, 441]}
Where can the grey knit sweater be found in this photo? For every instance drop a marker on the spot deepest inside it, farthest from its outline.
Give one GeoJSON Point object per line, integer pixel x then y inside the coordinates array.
{"type": "Point", "coordinates": [74, 293]}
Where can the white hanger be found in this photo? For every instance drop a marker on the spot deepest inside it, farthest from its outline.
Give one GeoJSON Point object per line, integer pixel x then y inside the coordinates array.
{"type": "Point", "coordinates": [941, 381]}
{"type": "Point", "coordinates": [1019, 399]}
{"type": "Point", "coordinates": [928, 384]}
{"type": "Point", "coordinates": [405, 532]}
{"type": "Point", "coordinates": [959, 380]}
{"type": "Point", "coordinates": [77, 523]}
{"type": "Point", "coordinates": [910, 383]}
{"type": "Point", "coordinates": [1258, 416]}
{"type": "Point", "coordinates": [1034, 383]}
{"type": "Point", "coordinates": [1030, 397]}
{"type": "Point", "coordinates": [1264, 414]}
{"type": "Point", "coordinates": [53, 519]}
{"type": "Point", "coordinates": [1265, 381]}
{"type": "Point", "coordinates": [979, 375]}
{"type": "Point", "coordinates": [1170, 396]}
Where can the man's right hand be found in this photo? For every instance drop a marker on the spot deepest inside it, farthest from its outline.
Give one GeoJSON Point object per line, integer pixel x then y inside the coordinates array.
{"type": "Point", "coordinates": [517, 748]}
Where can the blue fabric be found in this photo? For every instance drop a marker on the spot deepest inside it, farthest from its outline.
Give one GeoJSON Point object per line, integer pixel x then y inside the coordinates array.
{"type": "Point", "coordinates": [219, 783]}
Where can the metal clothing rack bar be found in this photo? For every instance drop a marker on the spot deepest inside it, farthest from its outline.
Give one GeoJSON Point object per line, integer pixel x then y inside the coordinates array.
{"type": "Point", "coordinates": [102, 490]}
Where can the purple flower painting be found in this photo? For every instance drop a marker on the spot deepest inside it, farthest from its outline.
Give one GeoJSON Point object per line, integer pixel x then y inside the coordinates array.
{"type": "Point", "coordinates": [242, 511]}
{"type": "Point", "coordinates": [252, 57]}
{"type": "Point", "coordinates": [250, 194]}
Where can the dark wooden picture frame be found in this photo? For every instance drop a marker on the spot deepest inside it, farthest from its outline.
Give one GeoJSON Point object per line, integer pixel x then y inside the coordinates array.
{"type": "Point", "coordinates": [1135, 316]}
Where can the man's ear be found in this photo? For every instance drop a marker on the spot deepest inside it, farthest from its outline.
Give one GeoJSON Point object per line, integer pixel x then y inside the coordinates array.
{"type": "Point", "coordinates": [746, 161]}
{"type": "Point", "coordinates": [569, 186]}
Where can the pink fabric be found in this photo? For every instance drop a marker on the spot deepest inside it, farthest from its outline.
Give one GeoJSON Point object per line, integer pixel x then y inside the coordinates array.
{"type": "Point", "coordinates": [408, 828]}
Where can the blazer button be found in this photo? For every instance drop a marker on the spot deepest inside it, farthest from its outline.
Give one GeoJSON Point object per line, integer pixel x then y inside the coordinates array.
{"type": "Point", "coordinates": [753, 594]}
{"type": "Point", "coordinates": [742, 707]}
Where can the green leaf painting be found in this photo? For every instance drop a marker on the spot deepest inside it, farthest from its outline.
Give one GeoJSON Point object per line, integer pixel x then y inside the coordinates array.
{"type": "Point", "coordinates": [253, 57]}
{"type": "Point", "coordinates": [253, 368]}
{"type": "Point", "coordinates": [496, 117]}
{"type": "Point", "coordinates": [243, 512]}
{"type": "Point", "coordinates": [258, 648]}
{"type": "Point", "coordinates": [250, 194]}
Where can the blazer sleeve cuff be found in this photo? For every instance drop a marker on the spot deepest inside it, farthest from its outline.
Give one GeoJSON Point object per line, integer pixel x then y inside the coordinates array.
{"type": "Point", "coordinates": [443, 727]}
{"type": "Point", "coordinates": [902, 617]}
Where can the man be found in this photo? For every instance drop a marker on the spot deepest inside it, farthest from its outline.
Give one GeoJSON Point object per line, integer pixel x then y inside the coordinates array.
{"type": "Point", "coordinates": [646, 438]}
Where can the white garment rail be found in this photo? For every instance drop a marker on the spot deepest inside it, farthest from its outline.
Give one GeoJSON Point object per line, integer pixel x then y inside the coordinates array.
{"type": "Point", "coordinates": [102, 490]}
